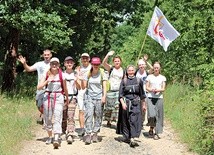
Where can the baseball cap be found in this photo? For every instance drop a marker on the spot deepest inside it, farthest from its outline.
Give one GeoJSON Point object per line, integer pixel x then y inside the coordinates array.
{"type": "Point", "coordinates": [85, 55]}
{"type": "Point", "coordinates": [141, 62]}
{"type": "Point", "coordinates": [54, 59]}
{"type": "Point", "coordinates": [95, 61]}
{"type": "Point", "coordinates": [68, 58]}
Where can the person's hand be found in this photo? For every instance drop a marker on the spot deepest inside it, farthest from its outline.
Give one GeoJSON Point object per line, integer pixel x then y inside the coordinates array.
{"type": "Point", "coordinates": [124, 106]}
{"type": "Point", "coordinates": [66, 102]}
{"type": "Point", "coordinates": [110, 53]}
{"type": "Point", "coordinates": [76, 77]}
{"type": "Point", "coordinates": [145, 57]}
{"type": "Point", "coordinates": [103, 99]}
{"type": "Point", "coordinates": [144, 106]}
{"type": "Point", "coordinates": [22, 59]}
{"type": "Point", "coordinates": [80, 77]}
{"type": "Point", "coordinates": [50, 78]}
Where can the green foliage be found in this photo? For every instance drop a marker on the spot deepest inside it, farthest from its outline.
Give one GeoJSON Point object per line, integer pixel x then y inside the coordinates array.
{"type": "Point", "coordinates": [45, 23]}
{"type": "Point", "coordinates": [191, 114]}
{"type": "Point", "coordinates": [207, 130]}
{"type": "Point", "coordinates": [189, 57]}
{"type": "Point", "coordinates": [16, 123]}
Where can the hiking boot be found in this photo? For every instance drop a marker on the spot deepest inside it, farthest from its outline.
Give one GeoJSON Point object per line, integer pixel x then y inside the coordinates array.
{"type": "Point", "coordinates": [87, 139]}
{"type": "Point", "coordinates": [69, 139]}
{"type": "Point", "coordinates": [56, 144]}
{"type": "Point", "coordinates": [95, 138]}
{"type": "Point", "coordinates": [48, 141]}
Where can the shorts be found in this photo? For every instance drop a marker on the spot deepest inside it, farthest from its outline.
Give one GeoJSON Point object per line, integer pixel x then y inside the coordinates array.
{"type": "Point", "coordinates": [80, 98]}
{"type": "Point", "coordinates": [39, 100]}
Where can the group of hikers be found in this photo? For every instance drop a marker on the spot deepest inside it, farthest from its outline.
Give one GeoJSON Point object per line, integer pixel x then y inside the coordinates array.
{"type": "Point", "coordinates": [112, 93]}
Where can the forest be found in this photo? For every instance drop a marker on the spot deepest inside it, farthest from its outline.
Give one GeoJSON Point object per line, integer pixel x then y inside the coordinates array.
{"type": "Point", "coordinates": [98, 26]}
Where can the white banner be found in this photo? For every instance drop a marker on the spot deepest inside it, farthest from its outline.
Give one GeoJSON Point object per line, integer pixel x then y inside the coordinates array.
{"type": "Point", "coordinates": [161, 30]}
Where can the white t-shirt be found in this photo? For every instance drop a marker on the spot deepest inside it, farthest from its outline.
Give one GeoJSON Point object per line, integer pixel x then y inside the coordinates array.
{"type": "Point", "coordinates": [143, 78]}
{"type": "Point", "coordinates": [41, 67]}
{"type": "Point", "coordinates": [115, 78]}
{"type": "Point", "coordinates": [71, 86]}
{"type": "Point", "coordinates": [84, 70]}
{"type": "Point", "coordinates": [156, 82]}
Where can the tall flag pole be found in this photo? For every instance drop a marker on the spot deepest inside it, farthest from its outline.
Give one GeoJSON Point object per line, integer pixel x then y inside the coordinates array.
{"type": "Point", "coordinates": [161, 30]}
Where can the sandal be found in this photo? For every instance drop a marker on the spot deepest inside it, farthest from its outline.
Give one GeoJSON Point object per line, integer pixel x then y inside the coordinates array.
{"type": "Point", "coordinates": [151, 133]}
{"type": "Point", "coordinates": [108, 124]}
{"type": "Point", "coordinates": [156, 137]}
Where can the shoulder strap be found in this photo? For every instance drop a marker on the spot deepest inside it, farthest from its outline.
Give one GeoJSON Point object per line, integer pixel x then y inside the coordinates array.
{"type": "Point", "coordinates": [60, 78]}
{"type": "Point", "coordinates": [136, 71]}
{"type": "Point", "coordinates": [102, 74]}
{"type": "Point", "coordinates": [111, 69]}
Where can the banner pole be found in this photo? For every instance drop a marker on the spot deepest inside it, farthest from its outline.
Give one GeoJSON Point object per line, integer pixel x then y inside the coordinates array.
{"type": "Point", "coordinates": [142, 47]}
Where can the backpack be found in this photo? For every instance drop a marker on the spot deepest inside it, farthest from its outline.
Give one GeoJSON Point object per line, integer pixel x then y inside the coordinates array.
{"type": "Point", "coordinates": [41, 108]}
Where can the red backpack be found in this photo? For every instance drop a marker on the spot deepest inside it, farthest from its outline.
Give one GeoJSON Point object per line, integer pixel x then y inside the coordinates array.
{"type": "Point", "coordinates": [41, 108]}
{"type": "Point", "coordinates": [60, 79]}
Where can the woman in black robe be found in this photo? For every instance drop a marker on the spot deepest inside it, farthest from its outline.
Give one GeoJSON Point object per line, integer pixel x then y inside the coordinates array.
{"type": "Point", "coordinates": [132, 98]}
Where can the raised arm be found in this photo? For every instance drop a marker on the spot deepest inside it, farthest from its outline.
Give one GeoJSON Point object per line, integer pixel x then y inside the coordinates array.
{"type": "Point", "coordinates": [26, 67]}
{"type": "Point", "coordinates": [105, 61]}
{"type": "Point", "coordinates": [145, 58]}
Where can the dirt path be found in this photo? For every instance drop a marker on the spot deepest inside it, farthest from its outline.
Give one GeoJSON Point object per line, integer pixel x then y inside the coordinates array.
{"type": "Point", "coordinates": [167, 145]}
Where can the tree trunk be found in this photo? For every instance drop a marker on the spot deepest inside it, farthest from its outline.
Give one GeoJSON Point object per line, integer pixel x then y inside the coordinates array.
{"type": "Point", "coordinates": [9, 69]}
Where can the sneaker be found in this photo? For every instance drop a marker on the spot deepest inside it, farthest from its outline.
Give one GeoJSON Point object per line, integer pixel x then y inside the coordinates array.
{"type": "Point", "coordinates": [56, 144]}
{"type": "Point", "coordinates": [87, 139]}
{"type": "Point", "coordinates": [40, 120]}
{"type": "Point", "coordinates": [69, 139]}
{"type": "Point", "coordinates": [95, 138]}
{"type": "Point", "coordinates": [48, 141]}
{"type": "Point", "coordinates": [81, 132]}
